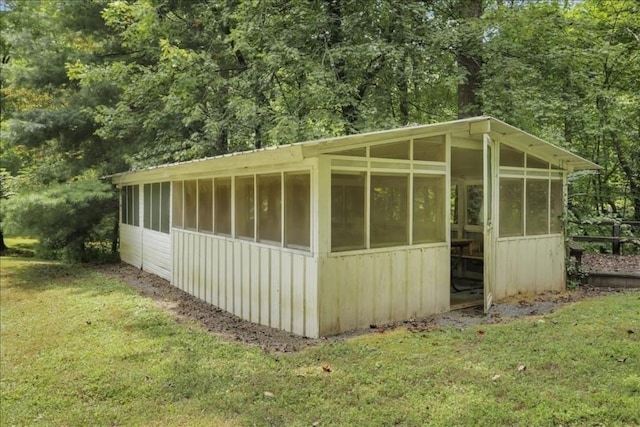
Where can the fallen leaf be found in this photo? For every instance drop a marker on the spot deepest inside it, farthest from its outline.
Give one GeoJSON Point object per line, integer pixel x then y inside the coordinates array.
{"type": "Point", "coordinates": [480, 333]}
{"type": "Point", "coordinates": [630, 331]}
{"type": "Point", "coordinates": [326, 367]}
{"type": "Point", "coordinates": [315, 424]}
{"type": "Point", "coordinates": [522, 368]}
{"type": "Point", "coordinates": [269, 394]}
{"type": "Point", "coordinates": [495, 377]}
{"type": "Point", "coordinates": [555, 321]}
{"type": "Point", "coordinates": [622, 360]}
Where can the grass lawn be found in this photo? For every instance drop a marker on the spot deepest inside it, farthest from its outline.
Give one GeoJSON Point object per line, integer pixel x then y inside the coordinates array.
{"type": "Point", "coordinates": [80, 348]}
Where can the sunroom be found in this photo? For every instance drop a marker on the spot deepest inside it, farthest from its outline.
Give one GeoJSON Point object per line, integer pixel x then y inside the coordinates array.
{"type": "Point", "coordinates": [323, 237]}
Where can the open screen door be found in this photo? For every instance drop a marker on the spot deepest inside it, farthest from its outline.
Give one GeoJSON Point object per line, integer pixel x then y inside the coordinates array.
{"type": "Point", "coordinates": [489, 232]}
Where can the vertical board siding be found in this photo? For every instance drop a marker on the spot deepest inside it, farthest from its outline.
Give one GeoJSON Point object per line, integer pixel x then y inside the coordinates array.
{"type": "Point", "coordinates": [156, 253]}
{"type": "Point", "coordinates": [265, 285]}
{"type": "Point", "coordinates": [529, 265]}
{"type": "Point", "coordinates": [358, 290]}
{"type": "Point", "coordinates": [131, 245]}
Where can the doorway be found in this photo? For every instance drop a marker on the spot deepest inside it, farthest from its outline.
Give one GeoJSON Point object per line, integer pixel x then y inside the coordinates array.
{"type": "Point", "coordinates": [467, 225]}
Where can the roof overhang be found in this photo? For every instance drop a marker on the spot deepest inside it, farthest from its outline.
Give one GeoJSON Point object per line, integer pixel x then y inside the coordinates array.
{"type": "Point", "coordinates": [286, 154]}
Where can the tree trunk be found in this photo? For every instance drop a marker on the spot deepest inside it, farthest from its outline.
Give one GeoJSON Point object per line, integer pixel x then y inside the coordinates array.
{"type": "Point", "coordinates": [469, 59]}
{"type": "Point", "coordinates": [3, 246]}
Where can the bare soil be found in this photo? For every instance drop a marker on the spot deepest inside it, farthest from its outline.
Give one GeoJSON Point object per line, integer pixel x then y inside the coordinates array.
{"type": "Point", "coordinates": [188, 309]}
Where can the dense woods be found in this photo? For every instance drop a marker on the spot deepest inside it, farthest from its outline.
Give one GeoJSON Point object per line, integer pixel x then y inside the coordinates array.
{"type": "Point", "coordinates": [94, 87]}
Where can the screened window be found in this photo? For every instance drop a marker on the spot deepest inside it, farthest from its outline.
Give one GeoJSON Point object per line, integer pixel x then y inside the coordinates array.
{"type": "Point", "coordinates": [297, 209]}
{"type": "Point", "coordinates": [347, 211]}
{"type": "Point", "coordinates": [269, 208]}
{"type": "Point", "coordinates": [191, 204]}
{"type": "Point", "coordinates": [429, 149]}
{"type": "Point", "coordinates": [511, 157]}
{"type": "Point", "coordinates": [177, 204]}
{"type": "Point", "coordinates": [393, 150]}
{"type": "Point", "coordinates": [474, 204]}
{"type": "Point", "coordinates": [156, 208]}
{"type": "Point", "coordinates": [157, 199]}
{"type": "Point", "coordinates": [147, 206]}
{"type": "Point", "coordinates": [165, 196]}
{"type": "Point", "coordinates": [389, 210]}
{"type": "Point", "coordinates": [244, 204]}
{"type": "Point", "coordinates": [534, 162]}
{"type": "Point", "coordinates": [537, 207]}
{"type": "Point", "coordinates": [205, 205]}
{"type": "Point", "coordinates": [557, 206]}
{"type": "Point", "coordinates": [355, 152]}
{"type": "Point", "coordinates": [428, 209]}
{"type": "Point", "coordinates": [130, 205]}
{"type": "Point", "coordinates": [511, 207]}
{"type": "Point", "coordinates": [454, 203]}
{"type": "Point", "coordinates": [222, 191]}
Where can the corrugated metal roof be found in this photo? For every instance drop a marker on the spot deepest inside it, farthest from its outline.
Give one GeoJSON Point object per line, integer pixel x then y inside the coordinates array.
{"type": "Point", "coordinates": [300, 150]}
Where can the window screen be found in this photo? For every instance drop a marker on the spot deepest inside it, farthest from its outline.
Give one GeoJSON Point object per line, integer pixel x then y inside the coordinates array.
{"type": "Point", "coordinates": [165, 196]}
{"type": "Point", "coordinates": [129, 205]}
{"type": "Point", "coordinates": [511, 157]}
{"type": "Point", "coordinates": [429, 149]}
{"type": "Point", "coordinates": [389, 210]}
{"type": "Point", "coordinates": [511, 207]}
{"type": "Point", "coordinates": [347, 211]}
{"type": "Point", "coordinates": [222, 191]}
{"type": "Point", "coordinates": [155, 206]}
{"type": "Point", "coordinates": [393, 150]}
{"type": "Point", "coordinates": [147, 206]}
{"type": "Point", "coordinates": [428, 209]}
{"type": "Point", "coordinates": [475, 216]}
{"type": "Point", "coordinates": [537, 207]}
{"type": "Point", "coordinates": [557, 206]}
{"type": "Point", "coordinates": [190, 204]}
{"type": "Point", "coordinates": [244, 203]}
{"type": "Point", "coordinates": [269, 208]}
{"type": "Point", "coordinates": [205, 205]}
{"type": "Point", "coordinates": [177, 204]}
{"type": "Point", "coordinates": [534, 162]}
{"type": "Point", "coordinates": [297, 209]}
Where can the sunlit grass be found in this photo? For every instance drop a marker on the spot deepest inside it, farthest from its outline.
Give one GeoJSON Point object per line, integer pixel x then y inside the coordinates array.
{"type": "Point", "coordinates": [79, 348]}
{"type": "Point", "coordinates": [24, 245]}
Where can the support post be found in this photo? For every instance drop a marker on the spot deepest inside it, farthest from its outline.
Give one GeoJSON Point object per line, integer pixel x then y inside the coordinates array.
{"type": "Point", "coordinates": [615, 245]}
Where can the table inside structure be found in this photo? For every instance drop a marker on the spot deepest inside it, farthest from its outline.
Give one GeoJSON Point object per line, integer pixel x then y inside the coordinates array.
{"type": "Point", "coordinates": [457, 247]}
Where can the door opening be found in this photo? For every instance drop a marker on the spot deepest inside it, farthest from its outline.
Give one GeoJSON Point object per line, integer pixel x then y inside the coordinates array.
{"type": "Point", "coordinates": [467, 226]}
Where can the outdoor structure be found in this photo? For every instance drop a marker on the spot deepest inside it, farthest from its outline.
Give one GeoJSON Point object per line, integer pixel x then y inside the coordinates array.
{"type": "Point", "coordinates": [326, 236]}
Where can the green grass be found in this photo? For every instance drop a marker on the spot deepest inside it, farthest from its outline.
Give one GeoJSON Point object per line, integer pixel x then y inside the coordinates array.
{"type": "Point", "coordinates": [79, 348]}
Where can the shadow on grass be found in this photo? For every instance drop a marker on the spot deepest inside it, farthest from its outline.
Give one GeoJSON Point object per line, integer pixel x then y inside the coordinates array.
{"type": "Point", "coordinates": [34, 275]}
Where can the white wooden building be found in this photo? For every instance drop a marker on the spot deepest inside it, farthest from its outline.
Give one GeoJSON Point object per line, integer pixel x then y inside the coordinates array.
{"type": "Point", "coordinates": [327, 236]}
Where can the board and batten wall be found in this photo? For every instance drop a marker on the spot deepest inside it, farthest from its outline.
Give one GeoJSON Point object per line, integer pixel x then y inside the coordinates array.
{"type": "Point", "coordinates": [131, 245]}
{"type": "Point", "coordinates": [156, 253]}
{"type": "Point", "coordinates": [529, 265]}
{"type": "Point", "coordinates": [264, 284]}
{"type": "Point", "coordinates": [358, 290]}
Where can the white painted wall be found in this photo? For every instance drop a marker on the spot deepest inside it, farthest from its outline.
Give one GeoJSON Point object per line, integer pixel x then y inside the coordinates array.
{"type": "Point", "coordinates": [357, 290]}
{"type": "Point", "coordinates": [264, 284]}
{"type": "Point", "coordinates": [156, 253]}
{"type": "Point", "coordinates": [130, 245]}
{"type": "Point", "coordinates": [529, 265]}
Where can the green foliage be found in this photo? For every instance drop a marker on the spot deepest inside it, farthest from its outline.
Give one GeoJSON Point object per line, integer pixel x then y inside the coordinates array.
{"type": "Point", "coordinates": [64, 217]}
{"type": "Point", "coordinates": [105, 85]}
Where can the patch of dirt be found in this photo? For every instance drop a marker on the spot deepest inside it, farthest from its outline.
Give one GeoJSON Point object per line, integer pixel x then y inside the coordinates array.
{"type": "Point", "coordinates": [188, 308]}
{"type": "Point", "coordinates": [611, 263]}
